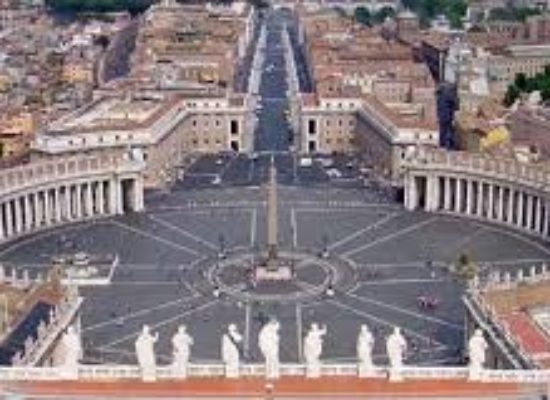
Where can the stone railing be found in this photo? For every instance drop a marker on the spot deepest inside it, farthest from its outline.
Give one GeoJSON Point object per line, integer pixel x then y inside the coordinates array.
{"type": "Point", "coordinates": [216, 370]}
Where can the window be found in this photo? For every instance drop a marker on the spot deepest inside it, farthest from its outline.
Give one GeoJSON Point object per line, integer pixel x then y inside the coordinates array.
{"type": "Point", "coordinates": [194, 122]}
{"type": "Point", "coordinates": [312, 127]}
{"type": "Point", "coordinates": [234, 127]}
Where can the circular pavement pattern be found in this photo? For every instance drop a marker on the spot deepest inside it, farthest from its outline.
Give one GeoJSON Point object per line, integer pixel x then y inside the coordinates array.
{"type": "Point", "coordinates": [381, 259]}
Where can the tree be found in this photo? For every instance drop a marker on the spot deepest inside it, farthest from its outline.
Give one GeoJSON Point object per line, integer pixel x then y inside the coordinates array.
{"type": "Point", "coordinates": [381, 15]}
{"type": "Point", "coordinates": [512, 94]}
{"type": "Point", "coordinates": [521, 82]}
{"type": "Point", "coordinates": [362, 15]}
{"type": "Point", "coordinates": [465, 268]}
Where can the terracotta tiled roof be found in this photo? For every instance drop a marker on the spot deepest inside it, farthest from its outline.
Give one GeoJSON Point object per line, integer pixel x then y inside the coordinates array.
{"type": "Point", "coordinates": [532, 339]}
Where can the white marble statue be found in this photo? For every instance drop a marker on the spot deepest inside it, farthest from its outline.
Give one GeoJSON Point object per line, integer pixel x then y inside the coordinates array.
{"type": "Point", "coordinates": [181, 345]}
{"type": "Point", "coordinates": [230, 351]}
{"type": "Point", "coordinates": [396, 346]}
{"type": "Point", "coordinates": [268, 341]}
{"type": "Point", "coordinates": [313, 348]}
{"type": "Point", "coordinates": [477, 347]}
{"type": "Point", "coordinates": [145, 352]}
{"type": "Point", "coordinates": [365, 345]}
{"type": "Point", "coordinates": [72, 352]}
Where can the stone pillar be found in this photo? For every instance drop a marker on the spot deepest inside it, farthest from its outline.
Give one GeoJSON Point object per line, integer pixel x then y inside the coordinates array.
{"type": "Point", "coordinates": [29, 217]}
{"type": "Point", "coordinates": [520, 209]}
{"type": "Point", "coordinates": [2, 232]}
{"type": "Point", "coordinates": [138, 194]}
{"type": "Point", "coordinates": [500, 211]}
{"type": "Point", "coordinates": [545, 219]}
{"type": "Point", "coordinates": [511, 206]}
{"type": "Point", "coordinates": [447, 194]}
{"type": "Point", "coordinates": [458, 195]}
{"type": "Point", "coordinates": [89, 200]}
{"type": "Point", "coordinates": [47, 207]}
{"type": "Point", "coordinates": [115, 197]}
{"type": "Point", "coordinates": [9, 218]}
{"type": "Point", "coordinates": [538, 214]}
{"type": "Point", "coordinates": [480, 199]}
{"type": "Point", "coordinates": [68, 203]}
{"type": "Point", "coordinates": [57, 204]}
{"type": "Point", "coordinates": [469, 197]}
{"type": "Point", "coordinates": [18, 215]}
{"type": "Point", "coordinates": [78, 201]}
{"type": "Point", "coordinates": [529, 211]}
{"type": "Point", "coordinates": [101, 197]}
{"type": "Point", "coordinates": [490, 211]}
{"type": "Point", "coordinates": [37, 209]}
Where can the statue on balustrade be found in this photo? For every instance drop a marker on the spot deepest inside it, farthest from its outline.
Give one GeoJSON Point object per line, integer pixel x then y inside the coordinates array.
{"type": "Point", "coordinates": [181, 344]}
{"type": "Point", "coordinates": [231, 351]}
{"type": "Point", "coordinates": [313, 348]}
{"type": "Point", "coordinates": [145, 352]}
{"type": "Point", "coordinates": [365, 345]}
{"type": "Point", "coordinates": [477, 348]}
{"type": "Point", "coordinates": [72, 352]}
{"type": "Point", "coordinates": [268, 341]}
{"type": "Point", "coordinates": [396, 347]}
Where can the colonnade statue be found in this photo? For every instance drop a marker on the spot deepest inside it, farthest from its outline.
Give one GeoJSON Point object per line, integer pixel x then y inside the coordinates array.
{"type": "Point", "coordinates": [365, 345]}
{"type": "Point", "coordinates": [477, 347]}
{"type": "Point", "coordinates": [313, 348]}
{"type": "Point", "coordinates": [396, 346]}
{"type": "Point", "coordinates": [231, 352]}
{"type": "Point", "coordinates": [72, 353]}
{"type": "Point", "coordinates": [268, 342]}
{"type": "Point", "coordinates": [145, 352]}
{"type": "Point", "coordinates": [181, 350]}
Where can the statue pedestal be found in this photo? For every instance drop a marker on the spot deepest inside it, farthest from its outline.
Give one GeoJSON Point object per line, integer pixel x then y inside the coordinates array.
{"type": "Point", "coordinates": [365, 370]}
{"type": "Point", "coordinates": [395, 375]}
{"type": "Point", "coordinates": [313, 370]}
{"type": "Point", "coordinates": [265, 273]}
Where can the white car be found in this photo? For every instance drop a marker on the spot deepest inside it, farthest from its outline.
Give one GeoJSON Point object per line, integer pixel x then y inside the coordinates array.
{"type": "Point", "coordinates": [217, 180]}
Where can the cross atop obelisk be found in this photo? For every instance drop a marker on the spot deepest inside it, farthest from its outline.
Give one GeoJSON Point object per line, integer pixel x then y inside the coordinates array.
{"type": "Point", "coordinates": [272, 217]}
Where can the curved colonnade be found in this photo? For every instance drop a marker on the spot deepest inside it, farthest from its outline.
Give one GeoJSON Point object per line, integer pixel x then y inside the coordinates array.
{"type": "Point", "coordinates": [494, 189]}
{"type": "Point", "coordinates": [44, 194]}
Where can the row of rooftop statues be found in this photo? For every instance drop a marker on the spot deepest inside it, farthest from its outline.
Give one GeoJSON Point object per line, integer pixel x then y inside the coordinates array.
{"type": "Point", "coordinates": [268, 343]}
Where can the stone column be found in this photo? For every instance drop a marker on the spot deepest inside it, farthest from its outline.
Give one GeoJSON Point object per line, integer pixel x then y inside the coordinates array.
{"type": "Point", "coordinates": [78, 201]}
{"type": "Point", "coordinates": [458, 195]}
{"type": "Point", "coordinates": [545, 219]}
{"type": "Point", "coordinates": [2, 232]}
{"type": "Point", "coordinates": [469, 197]}
{"type": "Point", "coordinates": [447, 194]}
{"type": "Point", "coordinates": [57, 204]}
{"type": "Point", "coordinates": [490, 211]}
{"type": "Point", "coordinates": [500, 211]}
{"type": "Point", "coordinates": [68, 203]}
{"type": "Point", "coordinates": [47, 207]}
{"type": "Point", "coordinates": [18, 215]}
{"type": "Point", "coordinates": [138, 194]}
{"type": "Point", "coordinates": [538, 214]}
{"type": "Point", "coordinates": [37, 209]}
{"type": "Point", "coordinates": [29, 217]}
{"type": "Point", "coordinates": [480, 199]}
{"type": "Point", "coordinates": [9, 218]}
{"type": "Point", "coordinates": [115, 197]}
{"type": "Point", "coordinates": [520, 209]}
{"type": "Point", "coordinates": [511, 206]}
{"type": "Point", "coordinates": [101, 197]}
{"type": "Point", "coordinates": [529, 211]}
{"type": "Point", "coordinates": [89, 200]}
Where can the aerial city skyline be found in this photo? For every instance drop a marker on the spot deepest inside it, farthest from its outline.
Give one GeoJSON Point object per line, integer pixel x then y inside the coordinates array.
{"type": "Point", "coordinates": [278, 199]}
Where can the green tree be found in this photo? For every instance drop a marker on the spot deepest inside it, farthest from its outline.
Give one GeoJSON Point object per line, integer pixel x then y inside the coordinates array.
{"type": "Point", "coordinates": [521, 81]}
{"type": "Point", "coordinates": [362, 15]}
{"type": "Point", "coordinates": [512, 94]}
{"type": "Point", "coordinates": [465, 268]}
{"type": "Point", "coordinates": [381, 15]}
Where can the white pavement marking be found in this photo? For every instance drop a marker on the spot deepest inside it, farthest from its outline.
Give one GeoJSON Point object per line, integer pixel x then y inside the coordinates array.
{"type": "Point", "coordinates": [183, 232]}
{"type": "Point", "coordinates": [384, 322]}
{"type": "Point", "coordinates": [139, 313]}
{"type": "Point", "coordinates": [299, 327]}
{"type": "Point", "coordinates": [393, 235]}
{"type": "Point", "coordinates": [398, 282]}
{"type": "Point", "coordinates": [144, 283]}
{"type": "Point", "coordinates": [406, 312]}
{"type": "Point", "coordinates": [253, 226]}
{"type": "Point", "coordinates": [160, 324]}
{"type": "Point", "coordinates": [294, 226]}
{"type": "Point", "coordinates": [372, 226]}
{"type": "Point", "coordinates": [154, 237]}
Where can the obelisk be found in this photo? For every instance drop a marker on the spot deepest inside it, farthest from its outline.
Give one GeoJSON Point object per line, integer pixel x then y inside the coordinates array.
{"type": "Point", "coordinates": [272, 218]}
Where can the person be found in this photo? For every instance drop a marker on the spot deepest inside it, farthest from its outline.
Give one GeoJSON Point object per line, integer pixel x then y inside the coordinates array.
{"type": "Point", "coordinates": [396, 346]}
{"type": "Point", "coordinates": [268, 342]}
{"type": "Point", "coordinates": [231, 352]}
{"type": "Point", "coordinates": [365, 344]}
{"type": "Point", "coordinates": [313, 343]}
{"type": "Point", "coordinates": [145, 352]}
{"type": "Point", "coordinates": [181, 344]}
